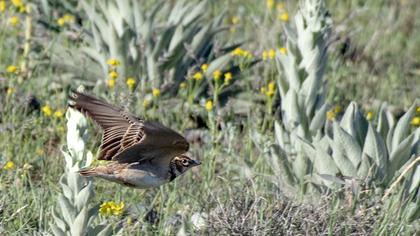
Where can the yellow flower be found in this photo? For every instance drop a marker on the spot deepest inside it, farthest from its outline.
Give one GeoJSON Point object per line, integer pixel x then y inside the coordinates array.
{"type": "Point", "coordinates": [113, 62]}
{"type": "Point", "coordinates": [146, 103]}
{"type": "Point", "coordinates": [264, 55]}
{"type": "Point", "coordinates": [156, 92]}
{"type": "Point", "coordinates": [228, 77]}
{"type": "Point", "coordinates": [68, 18]}
{"type": "Point", "coordinates": [263, 90]}
{"type": "Point", "coordinates": [237, 52]}
{"type": "Point", "coordinates": [284, 17]}
{"type": "Point", "coordinates": [39, 151]}
{"type": "Point", "coordinates": [269, 93]}
{"type": "Point", "coordinates": [283, 51]}
{"type": "Point", "coordinates": [111, 208]}
{"type": "Point", "coordinates": [271, 54]}
{"type": "Point", "coordinates": [60, 21]}
{"type": "Point", "coordinates": [236, 20]}
{"type": "Point", "coordinates": [271, 86]}
{"type": "Point", "coordinates": [58, 114]}
{"type": "Point", "coordinates": [113, 74]}
{"type": "Point", "coordinates": [331, 115]}
{"type": "Point", "coordinates": [47, 110]}
{"type": "Point", "coordinates": [204, 67]}
{"type": "Point", "coordinates": [12, 69]}
{"type": "Point", "coordinates": [415, 121]}
{"type": "Point", "coordinates": [209, 105]}
{"type": "Point", "coordinates": [14, 20]}
{"type": "Point", "coordinates": [182, 85]}
{"type": "Point", "coordinates": [131, 82]}
{"type": "Point", "coordinates": [198, 76]}
{"type": "Point", "coordinates": [217, 74]}
{"type": "Point", "coordinates": [418, 110]}
{"type": "Point", "coordinates": [2, 6]}
{"type": "Point", "coordinates": [10, 91]}
{"type": "Point", "coordinates": [9, 165]}
{"type": "Point", "coordinates": [17, 3]}
{"type": "Point", "coordinates": [337, 109]}
{"type": "Point", "coordinates": [270, 4]}
{"type": "Point", "coordinates": [23, 8]}
{"type": "Point", "coordinates": [111, 83]}
{"type": "Point", "coordinates": [369, 115]}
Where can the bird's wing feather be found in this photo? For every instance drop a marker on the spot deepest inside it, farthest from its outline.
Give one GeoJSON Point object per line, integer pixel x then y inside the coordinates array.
{"type": "Point", "coordinates": [126, 138]}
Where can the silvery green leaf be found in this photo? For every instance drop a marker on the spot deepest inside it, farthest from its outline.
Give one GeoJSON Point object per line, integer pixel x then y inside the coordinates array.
{"type": "Point", "coordinates": [400, 155]}
{"type": "Point", "coordinates": [58, 221]}
{"type": "Point", "coordinates": [350, 146]}
{"type": "Point", "coordinates": [79, 226]}
{"type": "Point", "coordinates": [385, 121]}
{"type": "Point", "coordinates": [354, 123]}
{"type": "Point", "coordinates": [198, 41]}
{"type": "Point", "coordinates": [415, 180]}
{"type": "Point", "coordinates": [68, 193]}
{"type": "Point", "coordinates": [389, 138]}
{"type": "Point", "coordinates": [291, 108]}
{"type": "Point", "coordinates": [57, 231]}
{"type": "Point", "coordinates": [332, 178]}
{"type": "Point", "coordinates": [344, 165]}
{"type": "Point", "coordinates": [99, 228]}
{"type": "Point", "coordinates": [375, 148]}
{"type": "Point", "coordinates": [177, 38]}
{"type": "Point", "coordinates": [322, 161]}
{"type": "Point", "coordinates": [67, 210]}
{"type": "Point", "coordinates": [364, 166]}
{"type": "Point", "coordinates": [280, 165]}
{"type": "Point", "coordinates": [178, 12]}
{"type": "Point", "coordinates": [319, 119]}
{"type": "Point", "coordinates": [195, 13]}
{"type": "Point", "coordinates": [115, 17]}
{"type": "Point", "coordinates": [280, 134]}
{"type": "Point", "coordinates": [218, 64]}
{"type": "Point", "coordinates": [401, 129]}
{"type": "Point", "coordinates": [300, 166]}
{"type": "Point", "coordinates": [126, 11]}
{"type": "Point", "coordinates": [105, 231]}
{"type": "Point", "coordinates": [84, 196]}
{"type": "Point", "coordinates": [89, 159]}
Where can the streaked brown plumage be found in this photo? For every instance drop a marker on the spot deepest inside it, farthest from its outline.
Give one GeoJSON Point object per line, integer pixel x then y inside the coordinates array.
{"type": "Point", "coordinates": [143, 154]}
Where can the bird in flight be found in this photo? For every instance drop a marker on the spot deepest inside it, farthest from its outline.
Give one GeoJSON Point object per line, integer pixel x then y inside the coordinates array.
{"type": "Point", "coordinates": [142, 154]}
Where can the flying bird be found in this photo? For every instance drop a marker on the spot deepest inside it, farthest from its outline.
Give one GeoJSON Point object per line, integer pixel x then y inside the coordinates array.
{"type": "Point", "coordinates": [142, 154]}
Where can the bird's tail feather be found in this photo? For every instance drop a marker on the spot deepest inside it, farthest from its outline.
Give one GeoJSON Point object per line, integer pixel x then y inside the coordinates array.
{"type": "Point", "coordinates": [88, 172]}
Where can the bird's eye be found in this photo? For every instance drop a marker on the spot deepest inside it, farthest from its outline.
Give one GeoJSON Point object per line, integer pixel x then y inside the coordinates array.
{"type": "Point", "coordinates": [185, 162]}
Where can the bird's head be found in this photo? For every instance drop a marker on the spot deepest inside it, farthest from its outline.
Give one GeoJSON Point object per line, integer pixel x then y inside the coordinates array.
{"type": "Point", "coordinates": [180, 164]}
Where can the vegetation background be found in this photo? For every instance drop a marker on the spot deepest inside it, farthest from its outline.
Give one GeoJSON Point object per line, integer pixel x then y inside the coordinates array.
{"type": "Point", "coordinates": [211, 70]}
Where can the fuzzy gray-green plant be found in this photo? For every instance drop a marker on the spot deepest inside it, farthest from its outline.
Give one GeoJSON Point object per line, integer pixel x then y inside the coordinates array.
{"type": "Point", "coordinates": [73, 214]}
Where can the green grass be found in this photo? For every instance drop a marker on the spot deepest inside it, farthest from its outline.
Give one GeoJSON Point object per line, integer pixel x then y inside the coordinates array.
{"type": "Point", "coordinates": [232, 187]}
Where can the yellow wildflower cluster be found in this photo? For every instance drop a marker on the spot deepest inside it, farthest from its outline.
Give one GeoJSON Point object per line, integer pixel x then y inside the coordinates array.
{"type": "Point", "coordinates": [415, 121]}
{"type": "Point", "coordinates": [209, 105]}
{"type": "Point", "coordinates": [182, 85]}
{"type": "Point", "coordinates": [270, 90]}
{"type": "Point", "coordinates": [331, 115]}
{"type": "Point", "coordinates": [18, 4]}
{"type": "Point", "coordinates": [12, 69]}
{"type": "Point", "coordinates": [270, 4]}
{"type": "Point", "coordinates": [111, 208]}
{"type": "Point", "coordinates": [156, 92]}
{"type": "Point", "coordinates": [216, 75]}
{"type": "Point", "coordinates": [204, 67]}
{"type": "Point", "coordinates": [284, 17]}
{"type": "Point", "coordinates": [369, 115]}
{"type": "Point", "coordinates": [198, 76]}
{"type": "Point", "coordinates": [113, 63]}
{"type": "Point", "coordinates": [66, 19]}
{"type": "Point", "coordinates": [235, 20]}
{"type": "Point", "coordinates": [283, 50]}
{"type": "Point", "coordinates": [47, 111]}
{"type": "Point", "coordinates": [14, 20]}
{"type": "Point", "coordinates": [10, 165]}
{"type": "Point", "coordinates": [241, 53]}
{"type": "Point", "coordinates": [228, 78]}
{"type": "Point", "coordinates": [2, 6]}
{"type": "Point", "coordinates": [10, 91]}
{"type": "Point", "coordinates": [131, 82]}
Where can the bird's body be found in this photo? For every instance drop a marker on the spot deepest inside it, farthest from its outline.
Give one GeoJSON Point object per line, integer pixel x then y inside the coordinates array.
{"type": "Point", "coordinates": [142, 154]}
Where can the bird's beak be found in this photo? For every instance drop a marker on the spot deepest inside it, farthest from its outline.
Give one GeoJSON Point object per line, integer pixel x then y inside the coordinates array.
{"type": "Point", "coordinates": [196, 163]}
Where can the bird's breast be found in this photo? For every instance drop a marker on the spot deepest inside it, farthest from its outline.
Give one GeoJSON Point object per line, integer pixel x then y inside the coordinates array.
{"type": "Point", "coordinates": [143, 177]}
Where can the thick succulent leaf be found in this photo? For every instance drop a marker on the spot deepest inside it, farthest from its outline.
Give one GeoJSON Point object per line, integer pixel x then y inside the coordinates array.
{"type": "Point", "coordinates": [68, 193]}
{"type": "Point", "coordinates": [385, 121]}
{"type": "Point", "coordinates": [415, 180]}
{"type": "Point", "coordinates": [57, 231]}
{"type": "Point", "coordinates": [344, 164]}
{"type": "Point", "coordinates": [402, 127]}
{"type": "Point", "coordinates": [364, 166]}
{"type": "Point", "coordinates": [400, 155]}
{"type": "Point", "coordinates": [319, 119]}
{"type": "Point", "coordinates": [83, 197]}
{"type": "Point", "coordinates": [67, 210]}
{"type": "Point", "coordinates": [195, 13]}
{"type": "Point", "coordinates": [375, 148]}
{"type": "Point", "coordinates": [322, 161]}
{"type": "Point", "coordinates": [58, 221]}
{"type": "Point", "coordinates": [218, 64]}
{"type": "Point", "coordinates": [349, 144]}
{"type": "Point", "coordinates": [354, 123]}
{"type": "Point", "coordinates": [79, 226]}
{"type": "Point", "coordinates": [291, 114]}
{"type": "Point", "coordinates": [281, 166]}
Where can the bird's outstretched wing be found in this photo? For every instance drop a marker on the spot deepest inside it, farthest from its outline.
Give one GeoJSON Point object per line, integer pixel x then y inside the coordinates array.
{"type": "Point", "coordinates": [126, 138]}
